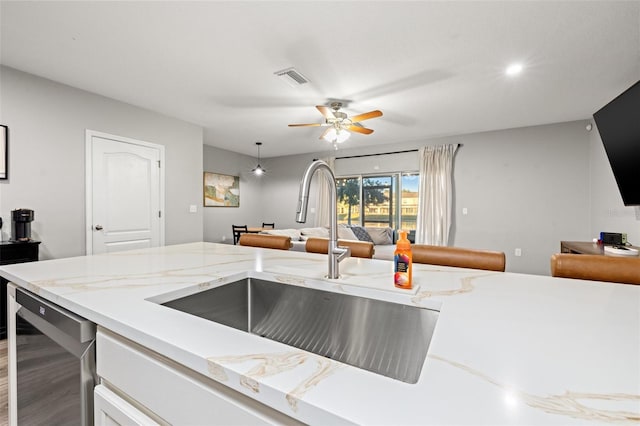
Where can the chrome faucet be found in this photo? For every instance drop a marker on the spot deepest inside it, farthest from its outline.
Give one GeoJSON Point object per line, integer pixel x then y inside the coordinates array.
{"type": "Point", "coordinates": [336, 254]}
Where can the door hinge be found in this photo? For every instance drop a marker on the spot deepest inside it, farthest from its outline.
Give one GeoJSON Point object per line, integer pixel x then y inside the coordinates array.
{"type": "Point", "coordinates": [159, 213]}
{"type": "Point", "coordinates": [158, 163]}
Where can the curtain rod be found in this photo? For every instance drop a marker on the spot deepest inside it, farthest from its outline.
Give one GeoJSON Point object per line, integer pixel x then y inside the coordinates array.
{"type": "Point", "coordinates": [382, 153]}
{"type": "Point", "coordinates": [373, 155]}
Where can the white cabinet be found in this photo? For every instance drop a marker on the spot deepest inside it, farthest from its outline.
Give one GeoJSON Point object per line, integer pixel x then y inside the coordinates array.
{"type": "Point", "coordinates": [169, 392]}
{"type": "Point", "coordinates": [111, 410]}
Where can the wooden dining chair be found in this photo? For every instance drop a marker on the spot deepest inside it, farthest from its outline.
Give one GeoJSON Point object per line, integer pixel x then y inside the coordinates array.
{"type": "Point", "coordinates": [280, 242]}
{"type": "Point", "coordinates": [237, 231]}
{"type": "Point", "coordinates": [459, 257]}
{"type": "Point", "coordinates": [614, 269]}
{"type": "Point", "coordinates": [268, 225]}
{"type": "Point", "coordinates": [362, 249]}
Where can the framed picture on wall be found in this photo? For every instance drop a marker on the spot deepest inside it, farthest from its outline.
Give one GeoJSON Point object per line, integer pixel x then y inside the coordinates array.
{"type": "Point", "coordinates": [221, 190]}
{"type": "Point", "coordinates": [4, 146]}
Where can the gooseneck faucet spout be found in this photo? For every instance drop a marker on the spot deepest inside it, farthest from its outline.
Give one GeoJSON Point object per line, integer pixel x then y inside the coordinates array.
{"type": "Point", "coordinates": [336, 254]}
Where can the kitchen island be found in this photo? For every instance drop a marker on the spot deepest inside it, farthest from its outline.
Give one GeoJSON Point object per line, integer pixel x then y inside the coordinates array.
{"type": "Point", "coordinates": [507, 348]}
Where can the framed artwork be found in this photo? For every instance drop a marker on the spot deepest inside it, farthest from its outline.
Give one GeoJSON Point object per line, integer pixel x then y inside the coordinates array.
{"type": "Point", "coordinates": [4, 146]}
{"type": "Point", "coordinates": [221, 190]}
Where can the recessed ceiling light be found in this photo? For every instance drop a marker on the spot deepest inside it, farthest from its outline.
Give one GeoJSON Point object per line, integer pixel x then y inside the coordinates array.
{"type": "Point", "coordinates": [514, 69]}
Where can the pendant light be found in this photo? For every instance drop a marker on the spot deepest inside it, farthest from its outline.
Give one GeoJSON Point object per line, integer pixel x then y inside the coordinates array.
{"type": "Point", "coordinates": [258, 170]}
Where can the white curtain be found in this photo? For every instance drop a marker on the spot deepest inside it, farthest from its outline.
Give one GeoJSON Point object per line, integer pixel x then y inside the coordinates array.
{"type": "Point", "coordinates": [436, 195]}
{"type": "Point", "coordinates": [322, 201]}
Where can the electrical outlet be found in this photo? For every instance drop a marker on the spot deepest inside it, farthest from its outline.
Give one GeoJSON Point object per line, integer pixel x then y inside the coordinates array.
{"type": "Point", "coordinates": [224, 238]}
{"type": "Point", "coordinates": [193, 208]}
{"type": "Point", "coordinates": [518, 252]}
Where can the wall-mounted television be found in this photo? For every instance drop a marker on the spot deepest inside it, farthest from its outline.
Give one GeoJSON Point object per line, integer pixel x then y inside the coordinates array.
{"type": "Point", "coordinates": [619, 126]}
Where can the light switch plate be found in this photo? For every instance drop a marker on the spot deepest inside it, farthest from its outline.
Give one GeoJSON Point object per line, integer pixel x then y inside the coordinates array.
{"type": "Point", "coordinates": [193, 208]}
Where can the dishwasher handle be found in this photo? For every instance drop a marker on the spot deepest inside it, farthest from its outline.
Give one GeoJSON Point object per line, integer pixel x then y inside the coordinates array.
{"type": "Point", "coordinates": [80, 329]}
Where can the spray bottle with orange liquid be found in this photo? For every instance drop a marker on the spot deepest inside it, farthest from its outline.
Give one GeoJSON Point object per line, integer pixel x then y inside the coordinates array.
{"type": "Point", "coordinates": [403, 261]}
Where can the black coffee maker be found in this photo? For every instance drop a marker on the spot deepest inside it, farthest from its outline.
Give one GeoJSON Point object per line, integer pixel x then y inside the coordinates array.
{"type": "Point", "coordinates": [21, 224]}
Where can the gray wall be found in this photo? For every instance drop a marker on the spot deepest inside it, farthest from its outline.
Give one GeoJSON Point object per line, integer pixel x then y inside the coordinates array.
{"type": "Point", "coordinates": [281, 187]}
{"type": "Point", "coordinates": [524, 188]}
{"type": "Point", "coordinates": [47, 123]}
{"type": "Point", "coordinates": [218, 220]}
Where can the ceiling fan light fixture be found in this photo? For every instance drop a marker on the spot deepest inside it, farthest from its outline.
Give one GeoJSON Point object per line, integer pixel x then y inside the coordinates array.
{"type": "Point", "coordinates": [330, 135]}
{"type": "Point", "coordinates": [334, 135]}
{"type": "Point", "coordinates": [258, 170]}
{"type": "Point", "coordinates": [342, 135]}
{"type": "Point", "coordinates": [339, 125]}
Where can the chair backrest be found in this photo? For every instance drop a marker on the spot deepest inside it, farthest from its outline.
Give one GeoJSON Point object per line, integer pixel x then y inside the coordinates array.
{"type": "Point", "coordinates": [460, 257]}
{"type": "Point", "coordinates": [363, 249]}
{"type": "Point", "coordinates": [613, 269]}
{"type": "Point", "coordinates": [268, 225]}
{"type": "Point", "coordinates": [280, 242]}
{"type": "Point", "coordinates": [237, 231]}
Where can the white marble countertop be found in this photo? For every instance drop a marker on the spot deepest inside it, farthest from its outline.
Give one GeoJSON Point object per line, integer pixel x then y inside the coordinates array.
{"type": "Point", "coordinates": [508, 348]}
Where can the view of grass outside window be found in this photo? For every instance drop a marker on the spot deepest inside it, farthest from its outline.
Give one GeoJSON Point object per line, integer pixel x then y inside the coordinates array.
{"type": "Point", "coordinates": [379, 200]}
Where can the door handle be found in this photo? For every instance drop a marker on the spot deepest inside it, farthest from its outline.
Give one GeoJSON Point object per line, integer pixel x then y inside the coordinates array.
{"type": "Point", "coordinates": [98, 227]}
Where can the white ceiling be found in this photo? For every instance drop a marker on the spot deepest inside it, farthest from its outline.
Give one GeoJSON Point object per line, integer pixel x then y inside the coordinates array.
{"type": "Point", "coordinates": [433, 68]}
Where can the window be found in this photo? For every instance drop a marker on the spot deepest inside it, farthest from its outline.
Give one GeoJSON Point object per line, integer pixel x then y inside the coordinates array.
{"type": "Point", "coordinates": [348, 200]}
{"type": "Point", "coordinates": [409, 201]}
{"type": "Point", "coordinates": [379, 200]}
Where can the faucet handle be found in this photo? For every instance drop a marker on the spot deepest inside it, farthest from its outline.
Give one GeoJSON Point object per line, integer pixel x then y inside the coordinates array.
{"type": "Point", "coordinates": [342, 252]}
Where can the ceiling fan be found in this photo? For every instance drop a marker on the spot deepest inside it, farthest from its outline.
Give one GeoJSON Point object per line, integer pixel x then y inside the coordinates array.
{"type": "Point", "coordinates": [339, 124]}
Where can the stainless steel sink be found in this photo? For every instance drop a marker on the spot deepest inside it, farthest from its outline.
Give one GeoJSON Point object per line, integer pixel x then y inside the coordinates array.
{"type": "Point", "coordinates": [383, 337]}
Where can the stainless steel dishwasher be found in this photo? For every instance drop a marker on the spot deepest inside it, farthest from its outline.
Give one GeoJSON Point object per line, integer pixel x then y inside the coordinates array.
{"type": "Point", "coordinates": [51, 362]}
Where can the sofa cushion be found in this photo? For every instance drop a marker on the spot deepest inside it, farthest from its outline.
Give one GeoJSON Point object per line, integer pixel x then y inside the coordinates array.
{"type": "Point", "coordinates": [293, 233]}
{"type": "Point", "coordinates": [380, 236]}
{"type": "Point", "coordinates": [361, 233]}
{"type": "Point", "coordinates": [345, 233]}
{"type": "Point", "coordinates": [314, 232]}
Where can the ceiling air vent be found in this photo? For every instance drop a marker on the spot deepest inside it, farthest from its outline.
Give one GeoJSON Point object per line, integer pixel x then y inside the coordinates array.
{"type": "Point", "coordinates": [291, 77]}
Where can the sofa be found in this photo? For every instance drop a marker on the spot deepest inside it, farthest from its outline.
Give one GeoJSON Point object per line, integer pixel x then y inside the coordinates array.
{"type": "Point", "coordinates": [381, 237]}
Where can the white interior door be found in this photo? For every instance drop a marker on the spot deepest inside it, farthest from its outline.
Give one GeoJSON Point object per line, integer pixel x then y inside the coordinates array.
{"type": "Point", "coordinates": [125, 194]}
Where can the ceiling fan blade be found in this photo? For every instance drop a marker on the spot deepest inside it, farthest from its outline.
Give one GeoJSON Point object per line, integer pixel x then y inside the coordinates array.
{"type": "Point", "coordinates": [308, 125]}
{"type": "Point", "coordinates": [325, 111]}
{"type": "Point", "coordinates": [359, 129]}
{"type": "Point", "coordinates": [366, 116]}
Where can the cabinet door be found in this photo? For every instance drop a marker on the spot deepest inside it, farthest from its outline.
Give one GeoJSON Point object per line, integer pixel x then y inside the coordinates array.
{"type": "Point", "coordinates": [173, 393]}
{"type": "Point", "coordinates": [111, 410]}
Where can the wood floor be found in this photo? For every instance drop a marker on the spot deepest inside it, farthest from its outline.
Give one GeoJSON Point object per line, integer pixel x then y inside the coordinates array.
{"type": "Point", "coordinates": [3, 383]}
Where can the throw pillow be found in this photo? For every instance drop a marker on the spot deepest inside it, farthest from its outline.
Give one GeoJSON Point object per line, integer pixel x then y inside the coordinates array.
{"type": "Point", "coordinates": [345, 233]}
{"type": "Point", "coordinates": [380, 236]}
{"type": "Point", "coordinates": [361, 233]}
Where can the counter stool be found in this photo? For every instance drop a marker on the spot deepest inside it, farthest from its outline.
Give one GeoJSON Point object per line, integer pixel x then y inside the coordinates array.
{"type": "Point", "coordinates": [624, 270]}
{"type": "Point", "coordinates": [460, 257]}
{"type": "Point", "coordinates": [280, 242]}
{"type": "Point", "coordinates": [358, 248]}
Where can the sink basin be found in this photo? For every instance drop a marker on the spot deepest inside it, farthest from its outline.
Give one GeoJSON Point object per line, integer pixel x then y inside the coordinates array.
{"type": "Point", "coordinates": [386, 338]}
